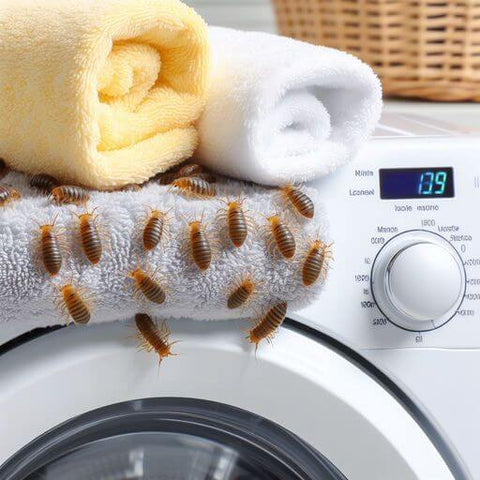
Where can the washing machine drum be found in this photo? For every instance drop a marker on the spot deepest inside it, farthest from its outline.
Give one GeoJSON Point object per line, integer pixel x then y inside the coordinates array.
{"type": "Point", "coordinates": [166, 439]}
{"type": "Point", "coordinates": [84, 404]}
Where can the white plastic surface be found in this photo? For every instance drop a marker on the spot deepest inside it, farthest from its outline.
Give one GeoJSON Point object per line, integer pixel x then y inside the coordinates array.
{"type": "Point", "coordinates": [425, 281]}
{"type": "Point", "coordinates": [445, 382]}
{"type": "Point", "coordinates": [299, 384]}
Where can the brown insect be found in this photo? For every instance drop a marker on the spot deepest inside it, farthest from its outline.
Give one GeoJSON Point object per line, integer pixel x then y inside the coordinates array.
{"type": "Point", "coordinates": [237, 222]}
{"type": "Point", "coordinates": [208, 177]}
{"type": "Point", "coordinates": [197, 171]}
{"type": "Point", "coordinates": [299, 200]}
{"type": "Point", "coordinates": [189, 170]}
{"type": "Point", "coordinates": [50, 249]}
{"type": "Point", "coordinates": [90, 239]}
{"type": "Point", "coordinates": [154, 229]}
{"type": "Point", "coordinates": [131, 187]}
{"type": "Point", "coordinates": [194, 187]}
{"type": "Point", "coordinates": [44, 183]}
{"type": "Point", "coordinates": [7, 194]}
{"type": "Point", "coordinates": [268, 324]}
{"type": "Point", "coordinates": [315, 263]}
{"type": "Point", "coordinates": [165, 178]}
{"type": "Point", "coordinates": [70, 194]}
{"type": "Point", "coordinates": [281, 237]}
{"type": "Point", "coordinates": [200, 247]}
{"type": "Point", "coordinates": [74, 304]}
{"type": "Point", "coordinates": [241, 293]}
{"type": "Point", "coordinates": [3, 168]}
{"type": "Point", "coordinates": [152, 337]}
{"type": "Point", "coordinates": [148, 285]}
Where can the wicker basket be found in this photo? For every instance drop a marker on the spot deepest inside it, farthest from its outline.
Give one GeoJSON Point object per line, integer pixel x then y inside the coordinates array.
{"type": "Point", "coordinates": [424, 48]}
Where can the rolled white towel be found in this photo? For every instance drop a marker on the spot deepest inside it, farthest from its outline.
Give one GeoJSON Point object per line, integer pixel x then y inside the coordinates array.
{"type": "Point", "coordinates": [283, 111]}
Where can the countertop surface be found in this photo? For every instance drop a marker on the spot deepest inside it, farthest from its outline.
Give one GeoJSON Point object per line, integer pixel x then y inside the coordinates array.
{"type": "Point", "coordinates": [465, 114]}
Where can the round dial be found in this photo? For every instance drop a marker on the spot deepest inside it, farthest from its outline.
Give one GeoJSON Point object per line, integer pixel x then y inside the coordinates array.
{"type": "Point", "coordinates": [418, 280]}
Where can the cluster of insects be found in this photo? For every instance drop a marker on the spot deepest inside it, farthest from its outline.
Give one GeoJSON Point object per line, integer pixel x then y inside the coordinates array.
{"type": "Point", "coordinates": [51, 247]}
{"type": "Point", "coordinates": [191, 181]}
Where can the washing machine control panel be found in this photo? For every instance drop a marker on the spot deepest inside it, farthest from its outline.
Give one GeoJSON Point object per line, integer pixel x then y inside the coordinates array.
{"type": "Point", "coordinates": [405, 221]}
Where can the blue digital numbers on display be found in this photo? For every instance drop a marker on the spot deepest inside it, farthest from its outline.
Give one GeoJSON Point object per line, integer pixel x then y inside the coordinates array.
{"type": "Point", "coordinates": [398, 183]}
{"type": "Point", "coordinates": [432, 183]}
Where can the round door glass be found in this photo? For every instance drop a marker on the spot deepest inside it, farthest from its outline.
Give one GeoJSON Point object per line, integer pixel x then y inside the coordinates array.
{"type": "Point", "coordinates": [169, 438]}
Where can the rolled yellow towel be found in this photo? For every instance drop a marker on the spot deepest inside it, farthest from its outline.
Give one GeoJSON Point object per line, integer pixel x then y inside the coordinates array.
{"type": "Point", "coordinates": [100, 92]}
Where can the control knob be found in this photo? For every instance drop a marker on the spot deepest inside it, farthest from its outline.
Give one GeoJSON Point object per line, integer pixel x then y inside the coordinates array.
{"type": "Point", "coordinates": [418, 280]}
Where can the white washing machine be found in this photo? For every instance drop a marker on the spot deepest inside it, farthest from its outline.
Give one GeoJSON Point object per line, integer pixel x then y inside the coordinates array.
{"type": "Point", "coordinates": [377, 380]}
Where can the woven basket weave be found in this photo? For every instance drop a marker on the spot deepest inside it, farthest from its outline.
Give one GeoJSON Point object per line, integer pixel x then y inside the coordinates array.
{"type": "Point", "coordinates": [425, 48]}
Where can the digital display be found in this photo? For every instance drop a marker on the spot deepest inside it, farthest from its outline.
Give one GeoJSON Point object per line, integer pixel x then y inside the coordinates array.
{"type": "Point", "coordinates": [398, 183]}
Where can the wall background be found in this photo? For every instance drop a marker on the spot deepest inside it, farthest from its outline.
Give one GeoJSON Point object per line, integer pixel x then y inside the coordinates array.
{"type": "Point", "coordinates": [242, 14]}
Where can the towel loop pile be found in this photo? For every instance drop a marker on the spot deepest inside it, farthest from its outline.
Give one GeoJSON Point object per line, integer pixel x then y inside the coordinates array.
{"type": "Point", "coordinates": [28, 290]}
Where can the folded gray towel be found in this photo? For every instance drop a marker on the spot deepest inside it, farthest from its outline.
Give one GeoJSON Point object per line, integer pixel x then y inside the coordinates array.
{"type": "Point", "coordinates": [28, 294]}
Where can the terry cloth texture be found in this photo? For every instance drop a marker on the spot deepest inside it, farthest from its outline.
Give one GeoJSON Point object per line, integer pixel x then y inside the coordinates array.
{"type": "Point", "coordinates": [280, 110]}
{"type": "Point", "coordinates": [101, 93]}
{"type": "Point", "coordinates": [28, 294]}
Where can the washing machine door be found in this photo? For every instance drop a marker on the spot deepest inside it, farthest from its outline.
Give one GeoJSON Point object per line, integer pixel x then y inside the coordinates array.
{"type": "Point", "coordinates": [84, 403]}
